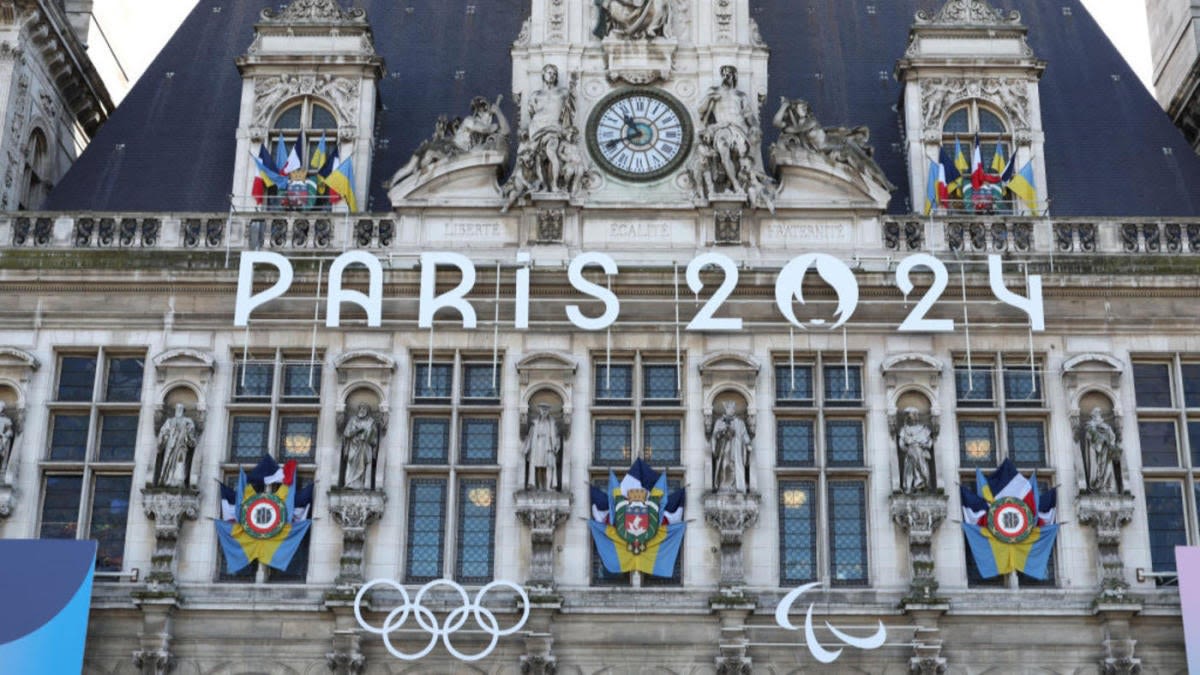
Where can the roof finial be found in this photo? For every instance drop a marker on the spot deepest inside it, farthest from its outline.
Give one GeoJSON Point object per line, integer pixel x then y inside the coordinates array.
{"type": "Point", "coordinates": [969, 13]}
{"type": "Point", "coordinates": [313, 11]}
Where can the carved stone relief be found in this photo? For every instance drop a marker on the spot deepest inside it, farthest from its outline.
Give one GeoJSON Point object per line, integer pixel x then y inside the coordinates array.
{"type": "Point", "coordinates": [313, 11]}
{"type": "Point", "coordinates": [1008, 94]}
{"type": "Point", "coordinates": [969, 12]}
{"type": "Point", "coordinates": [342, 93]}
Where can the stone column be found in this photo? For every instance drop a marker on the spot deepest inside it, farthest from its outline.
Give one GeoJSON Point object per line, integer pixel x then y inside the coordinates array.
{"type": "Point", "coordinates": [155, 657]}
{"type": "Point", "coordinates": [1108, 513]}
{"type": "Point", "coordinates": [733, 657]}
{"type": "Point", "coordinates": [920, 515]}
{"type": "Point", "coordinates": [354, 511]}
{"type": "Point", "coordinates": [732, 514]}
{"type": "Point", "coordinates": [168, 507]}
{"type": "Point", "coordinates": [542, 511]}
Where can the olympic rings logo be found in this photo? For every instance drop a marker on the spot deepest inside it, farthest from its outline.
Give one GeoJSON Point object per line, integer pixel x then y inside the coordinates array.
{"type": "Point", "coordinates": [425, 618]}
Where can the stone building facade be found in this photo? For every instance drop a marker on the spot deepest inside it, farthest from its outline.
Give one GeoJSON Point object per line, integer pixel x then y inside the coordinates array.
{"type": "Point", "coordinates": [519, 260]}
{"type": "Point", "coordinates": [1175, 41]}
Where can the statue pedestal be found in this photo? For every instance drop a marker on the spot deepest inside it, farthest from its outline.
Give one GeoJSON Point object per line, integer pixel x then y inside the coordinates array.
{"type": "Point", "coordinates": [354, 511]}
{"type": "Point", "coordinates": [732, 513]}
{"type": "Point", "coordinates": [1108, 513]}
{"type": "Point", "coordinates": [168, 507]}
{"type": "Point", "coordinates": [920, 515]}
{"type": "Point", "coordinates": [639, 61]}
{"type": "Point", "coordinates": [542, 511]}
{"type": "Point", "coordinates": [7, 500]}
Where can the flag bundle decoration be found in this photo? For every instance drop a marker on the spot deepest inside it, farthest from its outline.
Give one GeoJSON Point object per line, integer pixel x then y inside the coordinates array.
{"type": "Point", "coordinates": [1008, 525]}
{"type": "Point", "coordinates": [969, 185]}
{"type": "Point", "coordinates": [259, 524]}
{"type": "Point", "coordinates": [635, 525]}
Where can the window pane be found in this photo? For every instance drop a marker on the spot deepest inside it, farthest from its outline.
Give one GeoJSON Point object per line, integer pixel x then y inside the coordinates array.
{"type": "Point", "coordinates": [432, 381]}
{"type": "Point", "coordinates": [958, 123]}
{"type": "Point", "coordinates": [253, 380]}
{"type": "Point", "coordinates": [431, 440]}
{"type": "Point", "coordinates": [118, 437]}
{"type": "Point", "coordinates": [660, 440]}
{"type": "Point", "coordinates": [793, 384]}
{"type": "Point", "coordinates": [661, 383]}
{"type": "Point", "coordinates": [1027, 443]}
{"type": "Point", "coordinates": [479, 440]}
{"type": "Point", "coordinates": [973, 385]}
{"type": "Point", "coordinates": [124, 380]}
{"type": "Point", "coordinates": [794, 442]}
{"type": "Point", "coordinates": [1164, 513]}
{"type": "Point", "coordinates": [845, 441]}
{"type": "Point", "coordinates": [110, 510]}
{"type": "Point", "coordinates": [68, 440]}
{"type": "Point", "coordinates": [77, 378]}
{"type": "Point", "coordinates": [843, 383]}
{"type": "Point", "coordinates": [249, 438]}
{"type": "Point", "coordinates": [614, 383]}
{"type": "Point", "coordinates": [977, 444]}
{"type": "Point", "coordinates": [847, 532]}
{"type": "Point", "coordinates": [1022, 385]}
{"type": "Point", "coordinates": [612, 439]}
{"type": "Point", "coordinates": [322, 118]}
{"type": "Point", "coordinates": [1191, 385]}
{"type": "Point", "coordinates": [1193, 429]}
{"type": "Point", "coordinates": [60, 507]}
{"type": "Point", "coordinates": [426, 525]}
{"type": "Point", "coordinates": [481, 382]}
{"type": "Point", "coordinates": [476, 531]}
{"type": "Point", "coordinates": [1152, 385]}
{"type": "Point", "coordinates": [990, 123]}
{"type": "Point", "coordinates": [290, 118]}
{"type": "Point", "coordinates": [797, 532]}
{"type": "Point", "coordinates": [1159, 444]}
{"type": "Point", "coordinates": [302, 381]}
{"type": "Point", "coordinates": [298, 438]}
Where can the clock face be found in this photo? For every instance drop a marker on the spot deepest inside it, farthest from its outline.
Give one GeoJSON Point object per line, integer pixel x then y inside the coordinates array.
{"type": "Point", "coordinates": [639, 134]}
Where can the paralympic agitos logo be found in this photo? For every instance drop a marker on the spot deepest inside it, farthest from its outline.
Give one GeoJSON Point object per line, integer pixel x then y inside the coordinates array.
{"type": "Point", "coordinates": [789, 286]}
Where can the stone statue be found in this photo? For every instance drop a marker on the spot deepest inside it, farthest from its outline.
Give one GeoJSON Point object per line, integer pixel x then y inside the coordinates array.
{"type": "Point", "coordinates": [633, 19]}
{"type": "Point", "coordinates": [543, 450]}
{"type": "Point", "coordinates": [7, 432]}
{"type": "Point", "coordinates": [360, 445]}
{"type": "Point", "coordinates": [731, 447]}
{"type": "Point", "coordinates": [545, 137]}
{"type": "Point", "coordinates": [485, 129]}
{"type": "Point", "coordinates": [915, 440]}
{"type": "Point", "coordinates": [177, 441]}
{"type": "Point", "coordinates": [800, 132]}
{"type": "Point", "coordinates": [1101, 452]}
{"type": "Point", "coordinates": [729, 139]}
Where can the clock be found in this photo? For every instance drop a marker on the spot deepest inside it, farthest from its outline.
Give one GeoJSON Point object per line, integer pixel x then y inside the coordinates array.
{"type": "Point", "coordinates": [639, 134]}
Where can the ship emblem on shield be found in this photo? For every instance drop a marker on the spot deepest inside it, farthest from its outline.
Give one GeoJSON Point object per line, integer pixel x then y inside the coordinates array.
{"type": "Point", "coordinates": [637, 520]}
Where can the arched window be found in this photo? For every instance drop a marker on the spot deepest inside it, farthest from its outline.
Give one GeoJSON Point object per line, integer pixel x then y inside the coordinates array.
{"type": "Point", "coordinates": [971, 120]}
{"type": "Point", "coordinates": [36, 186]}
{"type": "Point", "coordinates": [310, 117]}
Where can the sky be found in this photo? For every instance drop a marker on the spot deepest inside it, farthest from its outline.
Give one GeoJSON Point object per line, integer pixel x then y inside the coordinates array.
{"type": "Point", "coordinates": [135, 36]}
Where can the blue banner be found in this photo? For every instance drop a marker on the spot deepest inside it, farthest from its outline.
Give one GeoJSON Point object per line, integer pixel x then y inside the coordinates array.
{"type": "Point", "coordinates": [46, 585]}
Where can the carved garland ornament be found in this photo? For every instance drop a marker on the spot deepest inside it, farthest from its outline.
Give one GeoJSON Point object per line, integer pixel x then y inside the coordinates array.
{"type": "Point", "coordinates": [313, 11]}
{"type": "Point", "coordinates": [269, 92]}
{"type": "Point", "coordinates": [969, 12]}
{"type": "Point", "coordinates": [939, 94]}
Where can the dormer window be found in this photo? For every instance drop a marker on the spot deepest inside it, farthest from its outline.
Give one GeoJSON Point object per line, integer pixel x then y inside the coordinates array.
{"type": "Point", "coordinates": [968, 123]}
{"type": "Point", "coordinates": [310, 117]}
{"type": "Point", "coordinates": [302, 142]}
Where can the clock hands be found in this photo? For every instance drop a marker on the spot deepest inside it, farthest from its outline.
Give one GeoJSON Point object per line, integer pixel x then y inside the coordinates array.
{"type": "Point", "coordinates": [634, 132]}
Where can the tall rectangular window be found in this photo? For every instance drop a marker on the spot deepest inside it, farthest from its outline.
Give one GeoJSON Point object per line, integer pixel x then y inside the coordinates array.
{"type": "Point", "coordinates": [274, 411]}
{"type": "Point", "coordinates": [453, 468]}
{"type": "Point", "coordinates": [637, 412]}
{"type": "Point", "coordinates": [87, 472]}
{"type": "Point", "coordinates": [821, 469]}
{"type": "Point", "coordinates": [1167, 390]}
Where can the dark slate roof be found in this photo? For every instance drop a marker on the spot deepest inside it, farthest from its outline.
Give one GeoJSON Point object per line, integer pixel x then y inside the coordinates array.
{"type": "Point", "coordinates": [170, 146]}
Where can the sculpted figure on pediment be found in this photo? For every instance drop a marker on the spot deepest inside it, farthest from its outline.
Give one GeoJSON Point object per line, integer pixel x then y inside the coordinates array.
{"type": "Point", "coordinates": [633, 19]}
{"type": "Point", "coordinates": [728, 143]}
{"type": "Point", "coordinates": [485, 129]}
{"type": "Point", "coordinates": [548, 156]}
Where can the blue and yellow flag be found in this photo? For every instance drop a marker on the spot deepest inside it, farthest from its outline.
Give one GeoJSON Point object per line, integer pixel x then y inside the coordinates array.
{"type": "Point", "coordinates": [1022, 185]}
{"type": "Point", "coordinates": [1008, 525]}
{"type": "Point", "coordinates": [264, 528]}
{"type": "Point", "coordinates": [341, 181]}
{"type": "Point", "coordinates": [635, 525]}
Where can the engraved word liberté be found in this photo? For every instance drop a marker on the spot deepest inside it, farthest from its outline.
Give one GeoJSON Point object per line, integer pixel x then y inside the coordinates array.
{"type": "Point", "coordinates": [788, 290]}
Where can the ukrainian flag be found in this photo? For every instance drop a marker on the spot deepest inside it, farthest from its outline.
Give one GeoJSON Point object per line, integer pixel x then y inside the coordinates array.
{"type": "Point", "coordinates": [1022, 185]}
{"type": "Point", "coordinates": [341, 181]}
